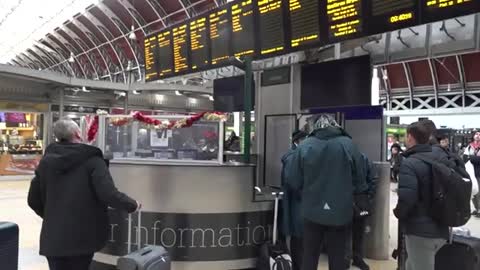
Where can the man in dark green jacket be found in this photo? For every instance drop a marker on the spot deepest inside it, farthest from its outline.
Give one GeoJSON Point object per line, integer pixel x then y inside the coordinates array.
{"type": "Point", "coordinates": [292, 221]}
{"type": "Point", "coordinates": [328, 170]}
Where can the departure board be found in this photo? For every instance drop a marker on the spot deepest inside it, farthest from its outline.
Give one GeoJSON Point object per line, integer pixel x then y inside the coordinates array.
{"type": "Point", "coordinates": [243, 28]}
{"type": "Point", "coordinates": [151, 56]}
{"type": "Point", "coordinates": [165, 54]}
{"type": "Point", "coordinates": [271, 26]}
{"type": "Point", "coordinates": [304, 22]}
{"type": "Point", "coordinates": [220, 29]}
{"type": "Point", "coordinates": [344, 19]}
{"type": "Point", "coordinates": [180, 49]}
{"type": "Point", "coordinates": [388, 15]}
{"type": "Point", "coordinates": [436, 10]}
{"type": "Point", "coordinates": [199, 43]}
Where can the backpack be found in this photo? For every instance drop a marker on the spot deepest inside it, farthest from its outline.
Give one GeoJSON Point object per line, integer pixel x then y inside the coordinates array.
{"type": "Point", "coordinates": [450, 203]}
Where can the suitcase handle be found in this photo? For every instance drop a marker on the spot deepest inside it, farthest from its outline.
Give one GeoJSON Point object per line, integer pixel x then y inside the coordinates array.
{"type": "Point", "coordinates": [139, 232]}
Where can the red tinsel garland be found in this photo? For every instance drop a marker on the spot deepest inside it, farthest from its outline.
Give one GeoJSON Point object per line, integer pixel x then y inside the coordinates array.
{"type": "Point", "coordinates": [138, 116]}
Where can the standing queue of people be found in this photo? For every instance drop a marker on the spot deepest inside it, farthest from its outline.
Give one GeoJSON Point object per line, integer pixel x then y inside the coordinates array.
{"type": "Point", "coordinates": [325, 178]}
{"type": "Point", "coordinates": [328, 186]}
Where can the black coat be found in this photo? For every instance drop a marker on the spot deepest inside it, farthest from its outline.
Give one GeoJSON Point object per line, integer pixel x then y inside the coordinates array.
{"type": "Point", "coordinates": [414, 193]}
{"type": "Point", "coordinates": [475, 160]}
{"type": "Point", "coordinates": [71, 191]}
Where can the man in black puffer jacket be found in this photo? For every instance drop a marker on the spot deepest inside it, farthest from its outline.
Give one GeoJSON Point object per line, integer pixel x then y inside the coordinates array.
{"type": "Point", "coordinates": [71, 191]}
{"type": "Point", "coordinates": [423, 236]}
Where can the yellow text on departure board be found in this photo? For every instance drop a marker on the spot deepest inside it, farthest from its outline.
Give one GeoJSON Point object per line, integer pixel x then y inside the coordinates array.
{"type": "Point", "coordinates": [445, 3]}
{"type": "Point", "coordinates": [401, 17]}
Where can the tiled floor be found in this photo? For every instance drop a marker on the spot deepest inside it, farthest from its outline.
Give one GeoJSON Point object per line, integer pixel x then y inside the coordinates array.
{"type": "Point", "coordinates": [13, 207]}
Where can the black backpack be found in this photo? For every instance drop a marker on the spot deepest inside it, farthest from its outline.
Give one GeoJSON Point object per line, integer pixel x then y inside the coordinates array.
{"type": "Point", "coordinates": [451, 193]}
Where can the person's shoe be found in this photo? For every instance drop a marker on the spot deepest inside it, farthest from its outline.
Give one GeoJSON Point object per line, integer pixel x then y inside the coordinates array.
{"type": "Point", "coordinates": [360, 263]}
{"type": "Point", "coordinates": [474, 212]}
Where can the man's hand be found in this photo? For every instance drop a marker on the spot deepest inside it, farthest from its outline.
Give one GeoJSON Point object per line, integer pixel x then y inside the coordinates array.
{"type": "Point", "coordinates": [139, 206]}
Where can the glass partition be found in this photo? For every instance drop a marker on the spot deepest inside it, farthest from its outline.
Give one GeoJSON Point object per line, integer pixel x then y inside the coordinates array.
{"type": "Point", "coordinates": [123, 138]}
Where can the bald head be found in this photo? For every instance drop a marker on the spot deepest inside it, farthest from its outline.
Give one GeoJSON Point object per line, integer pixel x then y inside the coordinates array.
{"type": "Point", "coordinates": [66, 130]}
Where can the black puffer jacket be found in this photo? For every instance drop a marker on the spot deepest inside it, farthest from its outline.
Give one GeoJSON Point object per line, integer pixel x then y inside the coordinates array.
{"type": "Point", "coordinates": [475, 160]}
{"type": "Point", "coordinates": [71, 191]}
{"type": "Point", "coordinates": [414, 193]}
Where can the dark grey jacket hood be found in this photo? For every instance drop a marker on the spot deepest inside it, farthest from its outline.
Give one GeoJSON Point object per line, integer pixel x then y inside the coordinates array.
{"type": "Point", "coordinates": [65, 156]}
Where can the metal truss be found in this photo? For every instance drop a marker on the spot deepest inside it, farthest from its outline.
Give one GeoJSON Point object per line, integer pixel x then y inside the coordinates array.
{"type": "Point", "coordinates": [429, 102]}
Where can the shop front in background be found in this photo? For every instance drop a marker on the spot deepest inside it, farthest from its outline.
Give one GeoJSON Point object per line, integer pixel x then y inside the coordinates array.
{"type": "Point", "coordinates": [21, 142]}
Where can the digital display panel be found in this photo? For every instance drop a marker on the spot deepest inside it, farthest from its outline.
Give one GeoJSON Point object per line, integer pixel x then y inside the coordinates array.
{"type": "Point", "coordinates": [271, 26]}
{"type": "Point", "coordinates": [165, 53]}
{"type": "Point", "coordinates": [151, 56]}
{"type": "Point", "coordinates": [220, 36]}
{"type": "Point", "coordinates": [344, 19]}
{"type": "Point", "coordinates": [304, 22]}
{"type": "Point", "coordinates": [243, 28]}
{"type": "Point", "coordinates": [199, 44]}
{"type": "Point", "coordinates": [437, 10]}
{"type": "Point", "coordinates": [388, 15]}
{"type": "Point", "coordinates": [180, 49]}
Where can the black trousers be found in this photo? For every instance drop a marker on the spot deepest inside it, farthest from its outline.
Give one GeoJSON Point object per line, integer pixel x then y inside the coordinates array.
{"type": "Point", "coordinates": [335, 239]}
{"type": "Point", "coordinates": [70, 263]}
{"type": "Point", "coordinates": [355, 238]}
{"type": "Point", "coordinates": [296, 250]}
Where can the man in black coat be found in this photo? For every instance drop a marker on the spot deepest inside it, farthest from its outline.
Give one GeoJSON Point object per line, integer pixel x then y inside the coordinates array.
{"type": "Point", "coordinates": [71, 191]}
{"type": "Point", "coordinates": [423, 236]}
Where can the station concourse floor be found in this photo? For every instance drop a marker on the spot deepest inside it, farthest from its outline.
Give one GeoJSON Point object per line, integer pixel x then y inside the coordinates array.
{"type": "Point", "coordinates": [13, 207]}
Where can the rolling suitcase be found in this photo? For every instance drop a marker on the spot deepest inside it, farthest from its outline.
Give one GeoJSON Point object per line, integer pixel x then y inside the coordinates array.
{"type": "Point", "coordinates": [8, 246]}
{"type": "Point", "coordinates": [274, 255]}
{"type": "Point", "coordinates": [462, 253]}
{"type": "Point", "coordinates": [146, 258]}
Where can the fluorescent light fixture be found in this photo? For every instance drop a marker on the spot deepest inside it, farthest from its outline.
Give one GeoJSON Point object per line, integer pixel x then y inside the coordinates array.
{"type": "Point", "coordinates": [178, 93]}
{"type": "Point", "coordinates": [84, 89]}
{"type": "Point", "coordinates": [71, 59]}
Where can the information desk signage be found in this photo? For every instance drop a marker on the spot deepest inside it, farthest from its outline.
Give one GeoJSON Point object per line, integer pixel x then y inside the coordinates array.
{"type": "Point", "coordinates": [266, 28]}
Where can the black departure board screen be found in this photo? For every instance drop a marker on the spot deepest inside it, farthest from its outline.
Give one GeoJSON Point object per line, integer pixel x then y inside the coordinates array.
{"type": "Point", "coordinates": [220, 36]}
{"type": "Point", "coordinates": [165, 53]}
{"type": "Point", "coordinates": [389, 15]}
{"type": "Point", "coordinates": [344, 19]}
{"type": "Point", "coordinates": [180, 48]}
{"type": "Point", "coordinates": [151, 56]}
{"type": "Point", "coordinates": [243, 28]}
{"type": "Point", "coordinates": [199, 44]}
{"type": "Point", "coordinates": [304, 22]}
{"type": "Point", "coordinates": [437, 10]}
{"type": "Point", "coordinates": [271, 26]}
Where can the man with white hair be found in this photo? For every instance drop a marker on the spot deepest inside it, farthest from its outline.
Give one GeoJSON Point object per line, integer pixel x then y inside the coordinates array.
{"type": "Point", "coordinates": [329, 171]}
{"type": "Point", "coordinates": [71, 191]}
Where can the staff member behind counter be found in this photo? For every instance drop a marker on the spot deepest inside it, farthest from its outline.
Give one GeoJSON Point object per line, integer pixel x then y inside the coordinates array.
{"type": "Point", "coordinates": [71, 191]}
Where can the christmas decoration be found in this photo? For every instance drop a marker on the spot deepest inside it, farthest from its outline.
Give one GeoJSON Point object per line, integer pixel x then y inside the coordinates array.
{"type": "Point", "coordinates": [153, 123]}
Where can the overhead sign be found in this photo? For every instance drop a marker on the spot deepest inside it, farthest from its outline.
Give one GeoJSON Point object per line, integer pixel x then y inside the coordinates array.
{"type": "Point", "coordinates": [266, 28]}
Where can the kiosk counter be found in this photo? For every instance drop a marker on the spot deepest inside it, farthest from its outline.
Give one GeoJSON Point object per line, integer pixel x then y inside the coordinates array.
{"type": "Point", "coordinates": [199, 208]}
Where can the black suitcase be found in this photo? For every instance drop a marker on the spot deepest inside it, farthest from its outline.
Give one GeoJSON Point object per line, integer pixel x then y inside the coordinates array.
{"type": "Point", "coordinates": [8, 246]}
{"type": "Point", "coordinates": [462, 254]}
{"type": "Point", "coordinates": [274, 255]}
{"type": "Point", "coordinates": [146, 258]}
{"type": "Point", "coordinates": [400, 253]}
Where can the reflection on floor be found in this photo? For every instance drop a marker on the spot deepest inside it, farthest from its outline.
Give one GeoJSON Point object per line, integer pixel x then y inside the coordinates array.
{"type": "Point", "coordinates": [13, 207]}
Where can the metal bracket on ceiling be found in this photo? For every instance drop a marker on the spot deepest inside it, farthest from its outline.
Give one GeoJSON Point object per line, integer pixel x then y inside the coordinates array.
{"type": "Point", "coordinates": [443, 28]}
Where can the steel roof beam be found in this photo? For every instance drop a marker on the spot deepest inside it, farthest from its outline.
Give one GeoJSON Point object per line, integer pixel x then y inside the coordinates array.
{"type": "Point", "coordinates": [70, 48]}
{"type": "Point", "coordinates": [110, 14]}
{"type": "Point", "coordinates": [29, 52]}
{"type": "Point", "coordinates": [37, 65]}
{"type": "Point", "coordinates": [434, 74]}
{"type": "Point", "coordinates": [408, 76]}
{"type": "Point", "coordinates": [156, 12]}
{"type": "Point", "coordinates": [84, 48]}
{"type": "Point", "coordinates": [57, 49]}
{"type": "Point", "coordinates": [461, 72]}
{"type": "Point", "coordinates": [56, 59]}
{"type": "Point", "coordinates": [128, 6]}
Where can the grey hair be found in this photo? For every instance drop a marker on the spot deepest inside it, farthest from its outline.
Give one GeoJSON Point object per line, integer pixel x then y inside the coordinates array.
{"type": "Point", "coordinates": [65, 129]}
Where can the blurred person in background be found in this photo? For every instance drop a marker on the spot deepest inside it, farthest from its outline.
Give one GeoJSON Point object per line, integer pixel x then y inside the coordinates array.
{"type": "Point", "coordinates": [474, 147]}
{"type": "Point", "coordinates": [327, 169]}
{"type": "Point", "coordinates": [292, 221]}
{"type": "Point", "coordinates": [395, 161]}
{"type": "Point", "coordinates": [355, 247]}
{"type": "Point", "coordinates": [71, 191]}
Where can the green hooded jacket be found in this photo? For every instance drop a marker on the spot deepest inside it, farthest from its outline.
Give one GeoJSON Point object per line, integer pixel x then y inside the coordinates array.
{"type": "Point", "coordinates": [328, 170]}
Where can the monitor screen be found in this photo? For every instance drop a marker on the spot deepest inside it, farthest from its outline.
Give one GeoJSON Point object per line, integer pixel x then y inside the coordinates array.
{"type": "Point", "coordinates": [15, 118]}
{"type": "Point", "coordinates": [229, 94]}
{"type": "Point", "coordinates": [337, 83]}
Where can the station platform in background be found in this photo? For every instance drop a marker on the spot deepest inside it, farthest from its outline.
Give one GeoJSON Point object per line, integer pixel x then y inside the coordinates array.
{"type": "Point", "coordinates": [13, 207]}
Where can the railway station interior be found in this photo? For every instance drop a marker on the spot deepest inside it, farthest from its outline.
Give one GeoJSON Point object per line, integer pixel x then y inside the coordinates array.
{"type": "Point", "coordinates": [194, 102]}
